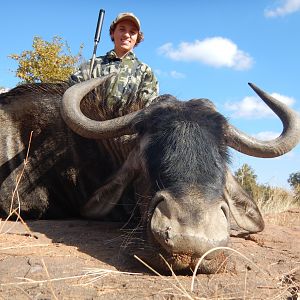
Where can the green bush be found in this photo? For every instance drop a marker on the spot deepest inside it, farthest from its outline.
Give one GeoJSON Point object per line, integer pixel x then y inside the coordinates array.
{"type": "Point", "coordinates": [268, 198]}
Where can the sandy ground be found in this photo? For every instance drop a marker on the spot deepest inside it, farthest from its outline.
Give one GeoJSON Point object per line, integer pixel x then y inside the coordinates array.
{"type": "Point", "coordinates": [77, 259]}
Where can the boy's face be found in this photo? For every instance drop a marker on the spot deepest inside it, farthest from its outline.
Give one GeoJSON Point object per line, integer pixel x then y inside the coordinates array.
{"type": "Point", "coordinates": [125, 37]}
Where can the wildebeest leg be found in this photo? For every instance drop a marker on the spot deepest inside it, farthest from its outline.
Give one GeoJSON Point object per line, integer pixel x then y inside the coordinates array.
{"type": "Point", "coordinates": [243, 208]}
{"type": "Point", "coordinates": [108, 195]}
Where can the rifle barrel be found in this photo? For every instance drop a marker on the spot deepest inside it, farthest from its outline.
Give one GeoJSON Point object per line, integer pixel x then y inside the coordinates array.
{"type": "Point", "coordinates": [97, 38]}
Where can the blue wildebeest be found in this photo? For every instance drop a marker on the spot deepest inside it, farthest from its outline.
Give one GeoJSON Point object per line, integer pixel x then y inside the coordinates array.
{"type": "Point", "coordinates": [164, 166]}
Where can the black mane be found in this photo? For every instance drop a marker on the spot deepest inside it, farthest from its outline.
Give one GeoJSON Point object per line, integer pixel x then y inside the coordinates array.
{"type": "Point", "coordinates": [34, 89]}
{"type": "Point", "coordinates": [195, 132]}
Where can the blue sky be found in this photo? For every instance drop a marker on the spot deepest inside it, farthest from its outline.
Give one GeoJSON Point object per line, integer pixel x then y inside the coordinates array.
{"type": "Point", "coordinates": [198, 49]}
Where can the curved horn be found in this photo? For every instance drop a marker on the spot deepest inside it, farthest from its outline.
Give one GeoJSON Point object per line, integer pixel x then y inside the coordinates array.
{"type": "Point", "coordinates": [288, 139]}
{"type": "Point", "coordinates": [82, 125]}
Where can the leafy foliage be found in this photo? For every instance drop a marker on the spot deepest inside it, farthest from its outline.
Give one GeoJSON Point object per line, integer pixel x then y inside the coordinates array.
{"type": "Point", "coordinates": [294, 181]}
{"type": "Point", "coordinates": [247, 178]}
{"type": "Point", "coordinates": [269, 199]}
{"type": "Point", "coordinates": [47, 61]}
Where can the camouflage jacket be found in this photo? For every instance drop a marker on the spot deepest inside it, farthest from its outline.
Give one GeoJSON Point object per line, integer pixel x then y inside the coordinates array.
{"type": "Point", "coordinates": [133, 79]}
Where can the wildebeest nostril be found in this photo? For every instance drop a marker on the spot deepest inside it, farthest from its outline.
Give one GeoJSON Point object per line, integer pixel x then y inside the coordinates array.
{"type": "Point", "coordinates": [225, 210]}
{"type": "Point", "coordinates": [168, 233]}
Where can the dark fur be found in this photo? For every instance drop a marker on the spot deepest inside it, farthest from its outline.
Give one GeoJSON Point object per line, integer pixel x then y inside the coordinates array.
{"type": "Point", "coordinates": [187, 145]}
{"type": "Point", "coordinates": [64, 169]}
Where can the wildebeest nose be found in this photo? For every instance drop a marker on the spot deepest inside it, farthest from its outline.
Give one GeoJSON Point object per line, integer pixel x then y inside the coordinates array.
{"type": "Point", "coordinates": [182, 229]}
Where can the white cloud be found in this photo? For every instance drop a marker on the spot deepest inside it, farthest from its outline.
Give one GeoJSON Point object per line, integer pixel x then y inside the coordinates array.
{"type": "Point", "coordinates": [216, 51]}
{"type": "Point", "coordinates": [286, 7]}
{"type": "Point", "coordinates": [285, 99]}
{"type": "Point", "coordinates": [254, 107]}
{"type": "Point", "coordinates": [266, 135]}
{"type": "Point", "coordinates": [177, 75]}
{"type": "Point", "coordinates": [174, 74]}
{"type": "Point", "coordinates": [271, 135]}
{"type": "Point", "coordinates": [3, 90]}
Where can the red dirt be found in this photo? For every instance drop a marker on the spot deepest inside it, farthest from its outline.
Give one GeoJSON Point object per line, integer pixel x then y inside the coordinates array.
{"type": "Point", "coordinates": [52, 261]}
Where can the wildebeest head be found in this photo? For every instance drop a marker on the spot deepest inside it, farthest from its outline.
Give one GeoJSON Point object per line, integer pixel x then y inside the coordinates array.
{"type": "Point", "coordinates": [183, 187]}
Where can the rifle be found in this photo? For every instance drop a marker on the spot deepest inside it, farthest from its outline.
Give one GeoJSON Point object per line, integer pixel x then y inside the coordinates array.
{"type": "Point", "coordinates": [97, 38]}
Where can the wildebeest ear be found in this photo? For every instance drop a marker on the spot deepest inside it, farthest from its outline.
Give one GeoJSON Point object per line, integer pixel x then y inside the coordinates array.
{"type": "Point", "coordinates": [108, 195]}
{"type": "Point", "coordinates": [243, 208]}
{"type": "Point", "coordinates": [103, 200]}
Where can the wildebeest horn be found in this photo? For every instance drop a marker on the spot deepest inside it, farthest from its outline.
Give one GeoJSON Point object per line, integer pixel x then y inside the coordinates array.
{"type": "Point", "coordinates": [82, 125]}
{"type": "Point", "coordinates": [288, 139]}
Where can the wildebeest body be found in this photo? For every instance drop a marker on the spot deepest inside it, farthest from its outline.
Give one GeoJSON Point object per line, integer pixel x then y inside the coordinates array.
{"type": "Point", "coordinates": [165, 165]}
{"type": "Point", "coordinates": [63, 168]}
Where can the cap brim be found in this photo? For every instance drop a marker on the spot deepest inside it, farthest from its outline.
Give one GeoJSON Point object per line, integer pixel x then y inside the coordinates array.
{"type": "Point", "coordinates": [132, 19]}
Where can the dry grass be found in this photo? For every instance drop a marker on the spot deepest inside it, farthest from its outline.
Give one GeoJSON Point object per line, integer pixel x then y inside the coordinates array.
{"type": "Point", "coordinates": [16, 211]}
{"type": "Point", "coordinates": [87, 277]}
{"type": "Point", "coordinates": [279, 287]}
{"type": "Point", "coordinates": [280, 208]}
{"type": "Point", "coordinates": [279, 200]}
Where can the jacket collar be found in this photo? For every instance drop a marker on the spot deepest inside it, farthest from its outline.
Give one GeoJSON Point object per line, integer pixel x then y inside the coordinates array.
{"type": "Point", "coordinates": [111, 55]}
